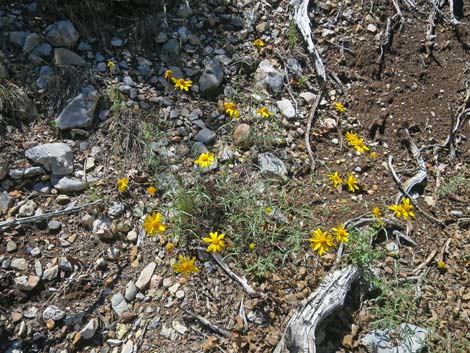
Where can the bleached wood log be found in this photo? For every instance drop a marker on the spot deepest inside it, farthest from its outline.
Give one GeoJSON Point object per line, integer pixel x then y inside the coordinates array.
{"type": "Point", "coordinates": [303, 23]}
{"type": "Point", "coordinates": [299, 335]}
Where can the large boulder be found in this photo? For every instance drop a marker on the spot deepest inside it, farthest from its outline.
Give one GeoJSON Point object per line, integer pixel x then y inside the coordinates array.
{"type": "Point", "coordinates": [80, 111]}
{"type": "Point", "coordinates": [65, 57]}
{"type": "Point", "coordinates": [62, 34]}
{"type": "Point", "coordinates": [54, 157]}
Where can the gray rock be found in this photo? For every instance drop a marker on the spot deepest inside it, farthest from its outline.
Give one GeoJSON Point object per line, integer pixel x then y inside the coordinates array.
{"type": "Point", "coordinates": [145, 276]}
{"type": "Point", "coordinates": [211, 78]}
{"type": "Point", "coordinates": [44, 77]}
{"type": "Point", "coordinates": [101, 228]}
{"type": "Point", "coordinates": [286, 108]}
{"type": "Point", "coordinates": [50, 273]}
{"type": "Point", "coordinates": [90, 329]}
{"type": "Point", "coordinates": [84, 46]}
{"type": "Point", "coordinates": [205, 136]}
{"type": "Point", "coordinates": [68, 184]}
{"type": "Point", "coordinates": [66, 57]}
{"type": "Point", "coordinates": [16, 174]}
{"type": "Point", "coordinates": [184, 11]}
{"type": "Point", "coordinates": [53, 313]}
{"type": "Point", "coordinates": [131, 291]}
{"type": "Point", "coordinates": [411, 339]}
{"type": "Point", "coordinates": [116, 42]}
{"type": "Point", "coordinates": [171, 48]}
{"type": "Point", "coordinates": [75, 319]}
{"type": "Point", "coordinates": [271, 166]}
{"type": "Point", "coordinates": [32, 172]}
{"type": "Point", "coordinates": [30, 313]}
{"type": "Point", "coordinates": [5, 201]}
{"type": "Point", "coordinates": [144, 69]}
{"type": "Point", "coordinates": [42, 187]}
{"type": "Point", "coordinates": [309, 97]}
{"type": "Point", "coordinates": [31, 42]}
{"type": "Point", "coordinates": [35, 252]}
{"type": "Point", "coordinates": [456, 213]}
{"type": "Point", "coordinates": [28, 209]}
{"type": "Point", "coordinates": [116, 209]}
{"type": "Point", "coordinates": [114, 342]}
{"type": "Point", "coordinates": [38, 267]}
{"type": "Point", "coordinates": [27, 283]}
{"type": "Point", "coordinates": [119, 304]}
{"type": "Point", "coordinates": [225, 154]}
{"type": "Point", "coordinates": [128, 347]}
{"type": "Point", "coordinates": [242, 136]}
{"type": "Point", "coordinates": [80, 111]}
{"type": "Point", "coordinates": [268, 78]}
{"type": "Point", "coordinates": [197, 148]}
{"type": "Point", "coordinates": [62, 34]}
{"type": "Point", "coordinates": [65, 265]}
{"type": "Point", "coordinates": [371, 28]}
{"type": "Point", "coordinates": [18, 38]}
{"type": "Point", "coordinates": [54, 157]}
{"type": "Point", "coordinates": [43, 50]}
{"type": "Point", "coordinates": [19, 264]}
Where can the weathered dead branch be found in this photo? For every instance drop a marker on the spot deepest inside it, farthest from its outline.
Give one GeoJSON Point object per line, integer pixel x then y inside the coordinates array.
{"type": "Point", "coordinates": [299, 335]}
{"type": "Point", "coordinates": [207, 323]}
{"type": "Point", "coordinates": [303, 23]}
{"type": "Point", "coordinates": [243, 282]}
{"type": "Point", "coordinates": [69, 210]}
{"type": "Point", "coordinates": [309, 127]}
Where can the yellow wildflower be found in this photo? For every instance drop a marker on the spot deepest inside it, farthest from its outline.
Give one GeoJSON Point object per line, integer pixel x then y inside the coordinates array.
{"type": "Point", "coordinates": [351, 137]}
{"type": "Point", "coordinates": [216, 241]}
{"type": "Point", "coordinates": [252, 246]}
{"type": "Point", "coordinates": [268, 210]}
{"type": "Point", "coordinates": [168, 74]}
{"type": "Point", "coordinates": [185, 265]}
{"type": "Point", "coordinates": [182, 83]}
{"type": "Point", "coordinates": [340, 107]}
{"type": "Point", "coordinates": [151, 190]}
{"type": "Point", "coordinates": [153, 223]}
{"type": "Point", "coordinates": [259, 43]}
{"type": "Point", "coordinates": [341, 234]}
{"type": "Point", "coordinates": [352, 183]}
{"type": "Point", "coordinates": [373, 155]}
{"type": "Point", "coordinates": [136, 107]}
{"type": "Point", "coordinates": [264, 112]}
{"type": "Point", "coordinates": [403, 209]}
{"type": "Point", "coordinates": [169, 247]}
{"type": "Point", "coordinates": [321, 241]}
{"type": "Point", "coordinates": [231, 109]}
{"type": "Point", "coordinates": [205, 159]}
{"type": "Point", "coordinates": [441, 265]}
{"type": "Point", "coordinates": [122, 184]}
{"type": "Point", "coordinates": [110, 65]}
{"type": "Point", "coordinates": [377, 213]}
{"type": "Point", "coordinates": [335, 178]}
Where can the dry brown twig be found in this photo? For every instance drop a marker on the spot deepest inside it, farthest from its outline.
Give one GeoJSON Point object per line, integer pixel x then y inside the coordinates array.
{"type": "Point", "coordinates": [207, 323]}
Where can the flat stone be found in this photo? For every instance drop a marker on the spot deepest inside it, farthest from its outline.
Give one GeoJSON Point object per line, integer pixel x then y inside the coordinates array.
{"type": "Point", "coordinates": [308, 97]}
{"type": "Point", "coordinates": [32, 172]}
{"type": "Point", "coordinates": [371, 28]}
{"type": "Point", "coordinates": [90, 329]}
{"type": "Point", "coordinates": [51, 273]}
{"type": "Point", "coordinates": [43, 50]}
{"type": "Point", "coordinates": [286, 108]}
{"type": "Point", "coordinates": [53, 313]}
{"type": "Point", "coordinates": [116, 42]}
{"type": "Point", "coordinates": [54, 157]}
{"type": "Point", "coordinates": [19, 264]}
{"type": "Point", "coordinates": [54, 226]}
{"type": "Point", "coordinates": [119, 304]}
{"type": "Point", "coordinates": [205, 136]}
{"type": "Point", "coordinates": [66, 57]}
{"type": "Point", "coordinates": [62, 34]}
{"type": "Point", "coordinates": [271, 166]}
{"type": "Point", "coordinates": [11, 246]}
{"type": "Point", "coordinates": [31, 42]}
{"type": "Point", "coordinates": [410, 339]}
{"type": "Point", "coordinates": [128, 347]}
{"type": "Point", "coordinates": [145, 276]}
{"type": "Point", "coordinates": [68, 184]}
{"type": "Point", "coordinates": [5, 201]}
{"type": "Point", "coordinates": [31, 312]}
{"type": "Point", "coordinates": [80, 111]}
{"type": "Point", "coordinates": [18, 37]}
{"type": "Point", "coordinates": [27, 283]}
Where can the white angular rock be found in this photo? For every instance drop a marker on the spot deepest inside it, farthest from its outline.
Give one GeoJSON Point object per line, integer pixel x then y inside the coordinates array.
{"type": "Point", "coordinates": [67, 184]}
{"type": "Point", "coordinates": [146, 275]}
{"type": "Point", "coordinates": [54, 157]}
{"type": "Point", "coordinates": [89, 330]}
{"type": "Point", "coordinates": [119, 304]}
{"type": "Point", "coordinates": [271, 166]}
{"type": "Point", "coordinates": [286, 108]}
{"type": "Point", "coordinates": [268, 78]}
{"type": "Point", "coordinates": [27, 283]}
{"type": "Point", "coordinates": [53, 313]}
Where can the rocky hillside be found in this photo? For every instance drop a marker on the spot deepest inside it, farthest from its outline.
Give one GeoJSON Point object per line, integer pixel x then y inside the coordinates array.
{"type": "Point", "coordinates": [208, 176]}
